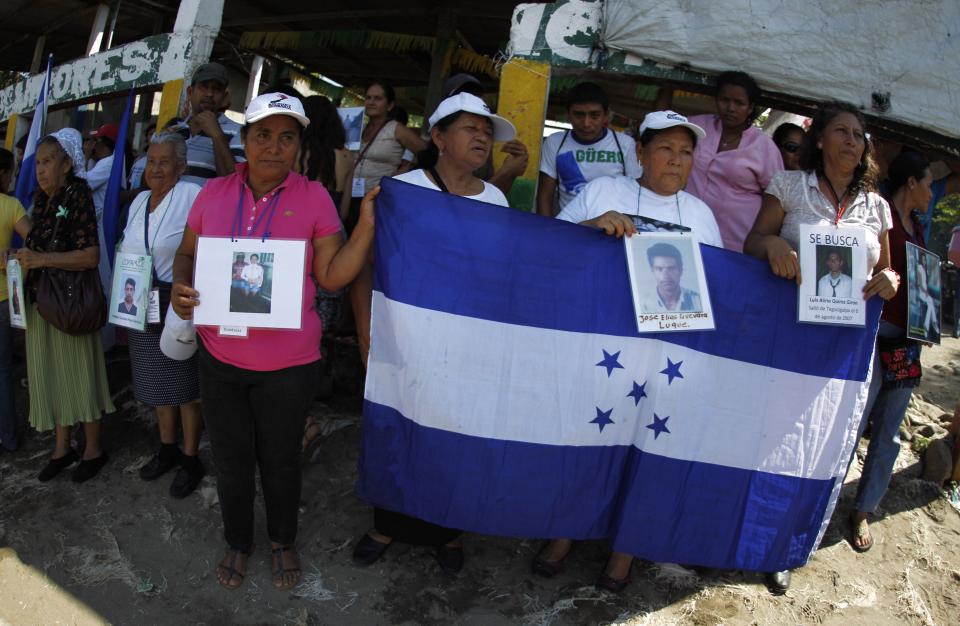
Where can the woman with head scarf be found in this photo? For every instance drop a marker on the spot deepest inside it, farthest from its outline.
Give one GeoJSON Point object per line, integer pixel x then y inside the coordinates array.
{"type": "Point", "coordinates": [66, 373]}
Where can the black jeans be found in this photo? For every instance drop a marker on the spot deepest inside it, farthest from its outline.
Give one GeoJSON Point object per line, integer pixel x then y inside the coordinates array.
{"type": "Point", "coordinates": [256, 419]}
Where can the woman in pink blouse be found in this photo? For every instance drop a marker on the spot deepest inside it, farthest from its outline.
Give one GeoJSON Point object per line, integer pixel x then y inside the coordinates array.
{"type": "Point", "coordinates": [735, 162]}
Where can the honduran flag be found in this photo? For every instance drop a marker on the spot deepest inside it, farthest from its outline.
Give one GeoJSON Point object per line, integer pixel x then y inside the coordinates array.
{"type": "Point", "coordinates": [509, 393]}
{"type": "Point", "coordinates": [27, 176]}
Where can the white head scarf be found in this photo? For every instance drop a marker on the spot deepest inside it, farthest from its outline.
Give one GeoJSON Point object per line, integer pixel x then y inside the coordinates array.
{"type": "Point", "coordinates": [72, 143]}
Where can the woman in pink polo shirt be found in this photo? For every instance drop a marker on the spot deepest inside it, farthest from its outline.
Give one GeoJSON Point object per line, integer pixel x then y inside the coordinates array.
{"type": "Point", "coordinates": [256, 390]}
{"type": "Point", "coordinates": [735, 162]}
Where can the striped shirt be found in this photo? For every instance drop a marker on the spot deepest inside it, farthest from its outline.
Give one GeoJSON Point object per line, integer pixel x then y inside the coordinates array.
{"type": "Point", "coordinates": [201, 164]}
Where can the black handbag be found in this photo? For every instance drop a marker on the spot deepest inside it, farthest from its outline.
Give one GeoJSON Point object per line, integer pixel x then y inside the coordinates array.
{"type": "Point", "coordinates": [71, 301]}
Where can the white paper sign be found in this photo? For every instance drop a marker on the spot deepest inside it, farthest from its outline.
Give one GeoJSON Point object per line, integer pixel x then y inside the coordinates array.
{"type": "Point", "coordinates": [249, 283]}
{"type": "Point", "coordinates": [667, 282]}
{"type": "Point", "coordinates": [833, 268]}
{"type": "Point", "coordinates": [153, 307]}
{"type": "Point", "coordinates": [18, 318]}
{"type": "Point", "coordinates": [129, 297]}
{"type": "Point", "coordinates": [924, 292]}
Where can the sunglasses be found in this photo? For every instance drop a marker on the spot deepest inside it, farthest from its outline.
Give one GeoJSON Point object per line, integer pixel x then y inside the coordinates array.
{"type": "Point", "coordinates": [790, 147]}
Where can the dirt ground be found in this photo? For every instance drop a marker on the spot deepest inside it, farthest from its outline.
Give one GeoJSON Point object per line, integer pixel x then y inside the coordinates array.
{"type": "Point", "coordinates": [133, 555]}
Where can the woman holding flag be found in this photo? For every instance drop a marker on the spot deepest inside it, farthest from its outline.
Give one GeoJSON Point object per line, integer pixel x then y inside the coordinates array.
{"type": "Point", "coordinates": [462, 132]}
{"type": "Point", "coordinates": [836, 186]}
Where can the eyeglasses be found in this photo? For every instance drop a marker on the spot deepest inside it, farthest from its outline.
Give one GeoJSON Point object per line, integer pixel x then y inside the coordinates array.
{"type": "Point", "coordinates": [790, 147]}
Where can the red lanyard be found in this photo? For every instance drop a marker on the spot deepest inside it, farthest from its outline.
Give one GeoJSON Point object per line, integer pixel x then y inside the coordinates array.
{"type": "Point", "coordinates": [839, 200]}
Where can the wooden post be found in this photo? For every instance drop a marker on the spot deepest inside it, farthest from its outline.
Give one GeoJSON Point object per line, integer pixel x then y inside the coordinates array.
{"type": "Point", "coordinates": [524, 90]}
{"type": "Point", "coordinates": [253, 87]}
{"type": "Point", "coordinates": [201, 20]}
{"type": "Point", "coordinates": [446, 42]}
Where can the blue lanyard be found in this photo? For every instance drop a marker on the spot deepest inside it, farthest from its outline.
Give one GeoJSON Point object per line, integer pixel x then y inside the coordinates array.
{"type": "Point", "coordinates": [270, 209]}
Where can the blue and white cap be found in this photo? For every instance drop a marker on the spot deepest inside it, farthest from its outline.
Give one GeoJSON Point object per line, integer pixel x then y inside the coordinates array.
{"type": "Point", "coordinates": [268, 104]}
{"type": "Point", "coordinates": [503, 130]}
{"type": "Point", "coordinates": [658, 120]}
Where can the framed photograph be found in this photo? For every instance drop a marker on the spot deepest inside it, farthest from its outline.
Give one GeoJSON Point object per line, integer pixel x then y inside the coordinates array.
{"type": "Point", "coordinates": [249, 283]}
{"type": "Point", "coordinates": [923, 294]}
{"type": "Point", "coordinates": [833, 264]}
{"type": "Point", "coordinates": [667, 282]}
{"type": "Point", "coordinates": [132, 275]}
{"type": "Point", "coordinates": [18, 318]}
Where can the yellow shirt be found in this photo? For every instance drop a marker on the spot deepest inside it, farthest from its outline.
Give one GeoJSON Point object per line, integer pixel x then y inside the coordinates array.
{"type": "Point", "coordinates": [10, 213]}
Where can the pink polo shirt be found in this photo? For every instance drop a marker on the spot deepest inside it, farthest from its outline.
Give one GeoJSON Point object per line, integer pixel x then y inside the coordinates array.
{"type": "Point", "coordinates": [304, 210]}
{"type": "Point", "coordinates": [732, 182]}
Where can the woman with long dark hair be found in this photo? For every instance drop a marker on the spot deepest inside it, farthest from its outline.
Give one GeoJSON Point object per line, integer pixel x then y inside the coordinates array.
{"type": "Point", "coordinates": [323, 154]}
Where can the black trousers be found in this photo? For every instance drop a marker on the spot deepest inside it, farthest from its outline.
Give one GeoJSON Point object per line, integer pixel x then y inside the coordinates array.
{"type": "Point", "coordinates": [256, 419]}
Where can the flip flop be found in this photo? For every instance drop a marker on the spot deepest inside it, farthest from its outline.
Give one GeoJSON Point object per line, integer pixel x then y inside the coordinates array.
{"type": "Point", "coordinates": [230, 569]}
{"type": "Point", "coordinates": [278, 571]}
{"type": "Point", "coordinates": [861, 531]}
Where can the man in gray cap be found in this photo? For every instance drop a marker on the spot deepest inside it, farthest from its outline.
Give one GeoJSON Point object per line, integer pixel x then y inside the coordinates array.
{"type": "Point", "coordinates": [213, 140]}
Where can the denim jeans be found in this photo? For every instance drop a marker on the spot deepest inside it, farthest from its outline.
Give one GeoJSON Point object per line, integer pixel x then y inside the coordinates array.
{"type": "Point", "coordinates": [885, 411]}
{"type": "Point", "coordinates": [8, 414]}
{"type": "Point", "coordinates": [256, 419]}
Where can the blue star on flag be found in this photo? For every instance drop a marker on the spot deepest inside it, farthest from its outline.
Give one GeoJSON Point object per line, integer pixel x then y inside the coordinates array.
{"type": "Point", "coordinates": [672, 370]}
{"type": "Point", "coordinates": [638, 392]}
{"type": "Point", "coordinates": [602, 418]}
{"type": "Point", "coordinates": [610, 362]}
{"type": "Point", "coordinates": [658, 426]}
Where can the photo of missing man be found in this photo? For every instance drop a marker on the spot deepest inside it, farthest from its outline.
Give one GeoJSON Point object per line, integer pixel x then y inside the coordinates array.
{"type": "Point", "coordinates": [667, 289]}
{"type": "Point", "coordinates": [128, 305]}
{"type": "Point", "coordinates": [250, 284]}
{"type": "Point", "coordinates": [834, 271]}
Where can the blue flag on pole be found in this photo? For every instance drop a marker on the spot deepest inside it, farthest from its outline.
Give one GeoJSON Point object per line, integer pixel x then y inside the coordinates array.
{"type": "Point", "coordinates": [111, 202]}
{"type": "Point", "coordinates": [27, 177]}
{"type": "Point", "coordinates": [509, 393]}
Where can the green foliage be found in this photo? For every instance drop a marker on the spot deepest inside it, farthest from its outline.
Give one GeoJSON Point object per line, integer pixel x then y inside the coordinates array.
{"type": "Point", "coordinates": [946, 216]}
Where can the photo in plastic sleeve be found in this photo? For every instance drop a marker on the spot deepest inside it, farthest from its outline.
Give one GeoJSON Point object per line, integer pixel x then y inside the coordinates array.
{"type": "Point", "coordinates": [833, 271]}
{"type": "Point", "coordinates": [129, 290]}
{"type": "Point", "coordinates": [251, 282]}
{"type": "Point", "coordinates": [15, 299]}
{"type": "Point", "coordinates": [924, 289]}
{"type": "Point", "coordinates": [667, 281]}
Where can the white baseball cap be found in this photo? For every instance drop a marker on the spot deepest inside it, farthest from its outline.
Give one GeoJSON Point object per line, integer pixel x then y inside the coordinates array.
{"type": "Point", "coordinates": [268, 104]}
{"type": "Point", "coordinates": [179, 338]}
{"type": "Point", "coordinates": [503, 130]}
{"type": "Point", "coordinates": [658, 120]}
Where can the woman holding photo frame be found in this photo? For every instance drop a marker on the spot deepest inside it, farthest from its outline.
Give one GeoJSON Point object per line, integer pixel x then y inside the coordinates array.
{"type": "Point", "coordinates": [155, 228]}
{"type": "Point", "coordinates": [256, 389]}
{"type": "Point", "coordinates": [896, 367]}
{"type": "Point", "coordinates": [836, 186]}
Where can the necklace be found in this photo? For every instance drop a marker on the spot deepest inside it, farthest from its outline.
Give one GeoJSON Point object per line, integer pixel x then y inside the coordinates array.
{"type": "Point", "coordinates": [838, 199]}
{"type": "Point", "coordinates": [676, 198]}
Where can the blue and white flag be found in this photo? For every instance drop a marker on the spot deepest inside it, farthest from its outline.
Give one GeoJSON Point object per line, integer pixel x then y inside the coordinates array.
{"type": "Point", "coordinates": [509, 393]}
{"type": "Point", "coordinates": [116, 184]}
{"type": "Point", "coordinates": [27, 177]}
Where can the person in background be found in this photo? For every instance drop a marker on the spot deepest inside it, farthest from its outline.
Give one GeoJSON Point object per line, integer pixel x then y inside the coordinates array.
{"type": "Point", "coordinates": [835, 187]}
{"type": "Point", "coordinates": [104, 146]}
{"type": "Point", "coordinates": [157, 219]}
{"type": "Point", "coordinates": [736, 161]}
{"type": "Point", "coordinates": [136, 170]}
{"type": "Point", "coordinates": [12, 220]}
{"type": "Point", "coordinates": [896, 369]}
{"type": "Point", "coordinates": [517, 157]}
{"type": "Point", "coordinates": [789, 137]}
{"type": "Point", "coordinates": [571, 159]}
{"type": "Point", "coordinates": [66, 373]}
{"type": "Point", "coordinates": [382, 144]}
{"type": "Point", "coordinates": [213, 140]}
{"type": "Point", "coordinates": [256, 390]}
{"type": "Point", "coordinates": [953, 255]}
{"type": "Point", "coordinates": [324, 156]}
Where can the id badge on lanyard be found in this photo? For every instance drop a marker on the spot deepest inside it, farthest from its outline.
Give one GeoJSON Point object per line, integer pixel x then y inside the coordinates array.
{"type": "Point", "coordinates": [357, 188]}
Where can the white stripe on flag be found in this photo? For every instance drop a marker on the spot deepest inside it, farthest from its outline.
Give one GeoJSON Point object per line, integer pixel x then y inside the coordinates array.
{"type": "Point", "coordinates": [515, 383]}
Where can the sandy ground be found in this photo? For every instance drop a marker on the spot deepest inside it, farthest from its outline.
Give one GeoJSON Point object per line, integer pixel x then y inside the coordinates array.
{"type": "Point", "coordinates": [133, 555]}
